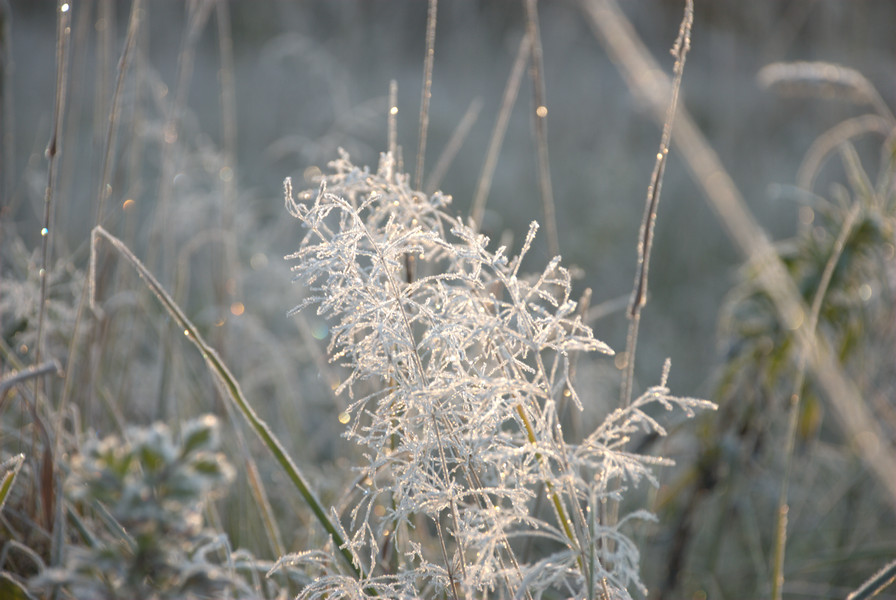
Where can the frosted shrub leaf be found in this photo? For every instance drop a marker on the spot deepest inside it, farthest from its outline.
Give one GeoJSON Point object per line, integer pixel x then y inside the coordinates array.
{"type": "Point", "coordinates": [454, 360]}
{"type": "Point", "coordinates": [147, 495]}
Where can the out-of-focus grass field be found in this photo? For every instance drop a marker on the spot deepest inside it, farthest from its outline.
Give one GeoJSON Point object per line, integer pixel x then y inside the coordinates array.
{"type": "Point", "coordinates": [220, 102]}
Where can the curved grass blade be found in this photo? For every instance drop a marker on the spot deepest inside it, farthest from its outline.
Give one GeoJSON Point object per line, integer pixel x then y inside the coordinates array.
{"type": "Point", "coordinates": [227, 381]}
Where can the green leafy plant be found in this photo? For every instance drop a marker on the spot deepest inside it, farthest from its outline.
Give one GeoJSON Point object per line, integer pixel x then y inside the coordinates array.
{"type": "Point", "coordinates": [139, 505]}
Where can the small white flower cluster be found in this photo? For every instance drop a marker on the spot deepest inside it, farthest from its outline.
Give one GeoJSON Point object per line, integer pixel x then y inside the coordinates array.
{"type": "Point", "coordinates": [456, 362]}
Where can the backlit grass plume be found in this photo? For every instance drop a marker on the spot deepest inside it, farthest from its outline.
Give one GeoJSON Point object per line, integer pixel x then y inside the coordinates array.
{"type": "Point", "coordinates": [456, 362]}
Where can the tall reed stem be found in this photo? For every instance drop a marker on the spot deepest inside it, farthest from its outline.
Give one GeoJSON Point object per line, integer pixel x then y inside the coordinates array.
{"type": "Point", "coordinates": [426, 94]}
{"type": "Point", "coordinates": [648, 222]}
{"type": "Point", "coordinates": [63, 36]}
{"type": "Point", "coordinates": [541, 127]}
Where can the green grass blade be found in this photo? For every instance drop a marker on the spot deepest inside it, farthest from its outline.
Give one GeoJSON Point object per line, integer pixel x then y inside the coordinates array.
{"type": "Point", "coordinates": [227, 381]}
{"type": "Point", "coordinates": [876, 584]}
{"type": "Point", "coordinates": [10, 469]}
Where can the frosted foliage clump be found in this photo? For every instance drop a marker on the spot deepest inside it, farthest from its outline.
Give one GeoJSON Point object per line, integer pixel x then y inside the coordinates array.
{"type": "Point", "coordinates": [456, 361]}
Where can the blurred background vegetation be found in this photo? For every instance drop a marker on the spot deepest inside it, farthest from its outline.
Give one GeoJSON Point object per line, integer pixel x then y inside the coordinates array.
{"type": "Point", "coordinates": [221, 101]}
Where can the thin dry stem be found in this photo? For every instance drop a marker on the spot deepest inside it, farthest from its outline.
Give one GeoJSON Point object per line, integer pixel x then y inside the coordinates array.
{"type": "Point", "coordinates": [392, 119]}
{"type": "Point", "coordinates": [8, 382]}
{"type": "Point", "coordinates": [453, 146]}
{"type": "Point", "coordinates": [876, 583]}
{"type": "Point", "coordinates": [540, 115]}
{"type": "Point", "coordinates": [197, 16]}
{"type": "Point", "coordinates": [162, 244]}
{"type": "Point", "coordinates": [63, 49]}
{"type": "Point", "coordinates": [124, 63]}
{"type": "Point", "coordinates": [228, 173]}
{"type": "Point", "coordinates": [648, 222]}
{"type": "Point", "coordinates": [803, 78]}
{"type": "Point", "coordinates": [511, 90]}
{"type": "Point", "coordinates": [426, 94]}
{"type": "Point", "coordinates": [7, 113]}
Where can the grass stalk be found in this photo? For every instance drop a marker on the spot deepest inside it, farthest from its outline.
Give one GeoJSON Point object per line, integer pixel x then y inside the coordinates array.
{"type": "Point", "coordinates": [536, 69]}
{"type": "Point", "coordinates": [227, 174]}
{"type": "Point", "coordinates": [392, 120]}
{"type": "Point", "coordinates": [256, 485]}
{"type": "Point", "coordinates": [648, 221]}
{"type": "Point", "coordinates": [453, 146]}
{"type": "Point", "coordinates": [831, 139]}
{"type": "Point", "coordinates": [8, 135]}
{"type": "Point", "coordinates": [508, 99]}
{"type": "Point", "coordinates": [162, 244]}
{"type": "Point", "coordinates": [227, 381]}
{"type": "Point", "coordinates": [124, 63]}
{"type": "Point", "coordinates": [63, 49]}
{"type": "Point", "coordinates": [556, 501]}
{"type": "Point", "coordinates": [197, 16]}
{"type": "Point", "coordinates": [104, 27]}
{"type": "Point", "coordinates": [426, 94]}
{"type": "Point", "coordinates": [257, 488]}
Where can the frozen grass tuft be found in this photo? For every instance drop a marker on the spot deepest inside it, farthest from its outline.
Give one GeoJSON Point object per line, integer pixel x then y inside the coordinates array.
{"type": "Point", "coordinates": [457, 361]}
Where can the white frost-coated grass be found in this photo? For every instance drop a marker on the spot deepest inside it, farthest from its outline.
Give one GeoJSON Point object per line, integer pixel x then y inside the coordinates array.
{"type": "Point", "coordinates": [456, 361]}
